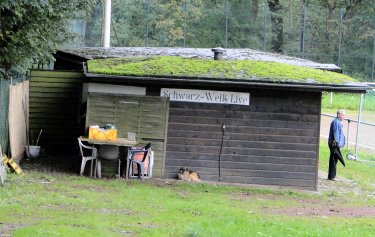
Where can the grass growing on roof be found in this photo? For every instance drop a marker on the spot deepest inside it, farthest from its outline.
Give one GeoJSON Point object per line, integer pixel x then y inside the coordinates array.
{"type": "Point", "coordinates": [202, 68]}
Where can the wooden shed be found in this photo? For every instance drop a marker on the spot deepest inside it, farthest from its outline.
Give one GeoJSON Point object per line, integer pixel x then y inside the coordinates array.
{"type": "Point", "coordinates": [240, 127]}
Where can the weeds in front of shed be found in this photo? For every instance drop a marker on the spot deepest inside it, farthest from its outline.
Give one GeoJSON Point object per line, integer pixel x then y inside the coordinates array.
{"type": "Point", "coordinates": [358, 172]}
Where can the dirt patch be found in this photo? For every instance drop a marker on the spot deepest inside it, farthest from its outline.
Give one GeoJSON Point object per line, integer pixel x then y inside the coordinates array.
{"type": "Point", "coordinates": [342, 187]}
{"type": "Point", "coordinates": [319, 206]}
{"type": "Point", "coordinates": [161, 182]}
{"type": "Point", "coordinates": [7, 228]}
{"type": "Point", "coordinates": [324, 210]}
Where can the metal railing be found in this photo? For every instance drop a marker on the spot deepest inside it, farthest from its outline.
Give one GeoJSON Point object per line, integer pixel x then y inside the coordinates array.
{"type": "Point", "coordinates": [348, 126]}
{"type": "Point", "coordinates": [354, 156]}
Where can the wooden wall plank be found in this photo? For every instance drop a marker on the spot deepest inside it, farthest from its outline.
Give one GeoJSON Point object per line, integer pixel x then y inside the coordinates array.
{"type": "Point", "coordinates": [244, 151]}
{"type": "Point", "coordinates": [242, 129]}
{"type": "Point", "coordinates": [55, 74]}
{"type": "Point", "coordinates": [274, 139]}
{"type": "Point", "coordinates": [56, 90]}
{"type": "Point", "coordinates": [191, 157]}
{"type": "Point", "coordinates": [243, 136]}
{"type": "Point", "coordinates": [66, 85]}
{"type": "Point", "coordinates": [53, 100]}
{"type": "Point", "coordinates": [77, 80]}
{"type": "Point", "coordinates": [243, 122]}
{"type": "Point", "coordinates": [242, 143]}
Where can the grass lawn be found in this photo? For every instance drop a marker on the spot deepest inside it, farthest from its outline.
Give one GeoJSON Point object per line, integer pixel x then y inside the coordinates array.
{"type": "Point", "coordinates": [349, 102]}
{"type": "Point", "coordinates": [42, 204]}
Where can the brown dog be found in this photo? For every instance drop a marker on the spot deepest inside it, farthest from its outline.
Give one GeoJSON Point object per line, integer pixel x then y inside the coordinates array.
{"type": "Point", "coordinates": [188, 175]}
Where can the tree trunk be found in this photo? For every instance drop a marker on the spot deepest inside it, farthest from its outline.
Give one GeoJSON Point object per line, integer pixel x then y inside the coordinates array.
{"type": "Point", "coordinates": [254, 9]}
{"type": "Point", "coordinates": [302, 32]}
{"type": "Point", "coordinates": [277, 25]}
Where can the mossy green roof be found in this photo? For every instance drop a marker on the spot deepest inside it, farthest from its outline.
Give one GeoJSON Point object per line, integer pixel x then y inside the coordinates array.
{"type": "Point", "coordinates": [173, 66]}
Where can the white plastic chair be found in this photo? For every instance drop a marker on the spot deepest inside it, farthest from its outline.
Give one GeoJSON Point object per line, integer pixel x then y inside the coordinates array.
{"type": "Point", "coordinates": [92, 156]}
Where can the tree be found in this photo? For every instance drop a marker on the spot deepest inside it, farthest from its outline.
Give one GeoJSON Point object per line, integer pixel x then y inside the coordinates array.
{"type": "Point", "coordinates": [153, 22]}
{"type": "Point", "coordinates": [30, 31]}
{"type": "Point", "coordinates": [277, 25]}
{"type": "Point", "coordinates": [312, 29]}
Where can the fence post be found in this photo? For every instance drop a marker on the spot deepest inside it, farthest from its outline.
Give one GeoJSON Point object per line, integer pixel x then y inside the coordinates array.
{"type": "Point", "coordinates": [331, 99]}
{"type": "Point", "coordinates": [303, 28]}
{"type": "Point", "coordinates": [185, 19]}
{"type": "Point", "coordinates": [347, 137]}
{"type": "Point", "coordinates": [226, 23]}
{"type": "Point", "coordinates": [359, 121]}
{"type": "Point", "coordinates": [373, 61]}
{"type": "Point", "coordinates": [340, 38]}
{"type": "Point", "coordinates": [147, 15]}
{"type": "Point", "coordinates": [264, 26]}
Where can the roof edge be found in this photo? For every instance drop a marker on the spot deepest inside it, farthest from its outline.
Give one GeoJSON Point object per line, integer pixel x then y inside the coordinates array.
{"type": "Point", "coordinates": [88, 53]}
{"type": "Point", "coordinates": [349, 88]}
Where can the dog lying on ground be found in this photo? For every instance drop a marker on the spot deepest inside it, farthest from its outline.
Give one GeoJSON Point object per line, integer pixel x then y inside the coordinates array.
{"type": "Point", "coordinates": [188, 175]}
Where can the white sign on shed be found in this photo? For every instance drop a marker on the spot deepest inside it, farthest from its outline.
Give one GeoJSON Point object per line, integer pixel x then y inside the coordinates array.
{"type": "Point", "coordinates": [206, 96]}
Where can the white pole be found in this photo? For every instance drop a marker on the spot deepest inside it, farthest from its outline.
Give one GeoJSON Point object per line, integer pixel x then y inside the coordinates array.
{"type": "Point", "coordinates": [373, 61]}
{"type": "Point", "coordinates": [359, 121]}
{"type": "Point", "coordinates": [303, 28]}
{"type": "Point", "coordinates": [107, 24]}
{"type": "Point", "coordinates": [340, 38]}
{"type": "Point", "coordinates": [331, 100]}
{"type": "Point", "coordinates": [226, 24]}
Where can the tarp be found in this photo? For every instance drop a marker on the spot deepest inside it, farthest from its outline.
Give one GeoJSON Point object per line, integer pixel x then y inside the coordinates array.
{"type": "Point", "coordinates": [18, 118]}
{"type": "Point", "coordinates": [4, 102]}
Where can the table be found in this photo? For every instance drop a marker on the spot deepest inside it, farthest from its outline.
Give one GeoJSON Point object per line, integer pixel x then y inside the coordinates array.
{"type": "Point", "coordinates": [123, 142]}
{"type": "Point", "coordinates": [119, 142]}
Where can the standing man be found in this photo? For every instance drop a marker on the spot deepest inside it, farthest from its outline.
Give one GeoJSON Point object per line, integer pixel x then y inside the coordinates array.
{"type": "Point", "coordinates": [336, 140]}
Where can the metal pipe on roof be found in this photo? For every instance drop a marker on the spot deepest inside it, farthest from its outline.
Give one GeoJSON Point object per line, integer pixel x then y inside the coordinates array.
{"type": "Point", "coordinates": [218, 53]}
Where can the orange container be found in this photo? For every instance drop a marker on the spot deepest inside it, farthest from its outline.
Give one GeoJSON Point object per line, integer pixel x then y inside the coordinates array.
{"type": "Point", "coordinates": [102, 134]}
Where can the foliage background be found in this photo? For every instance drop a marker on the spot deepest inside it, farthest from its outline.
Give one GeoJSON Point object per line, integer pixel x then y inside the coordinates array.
{"type": "Point", "coordinates": [327, 31]}
{"type": "Point", "coordinates": [30, 31]}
